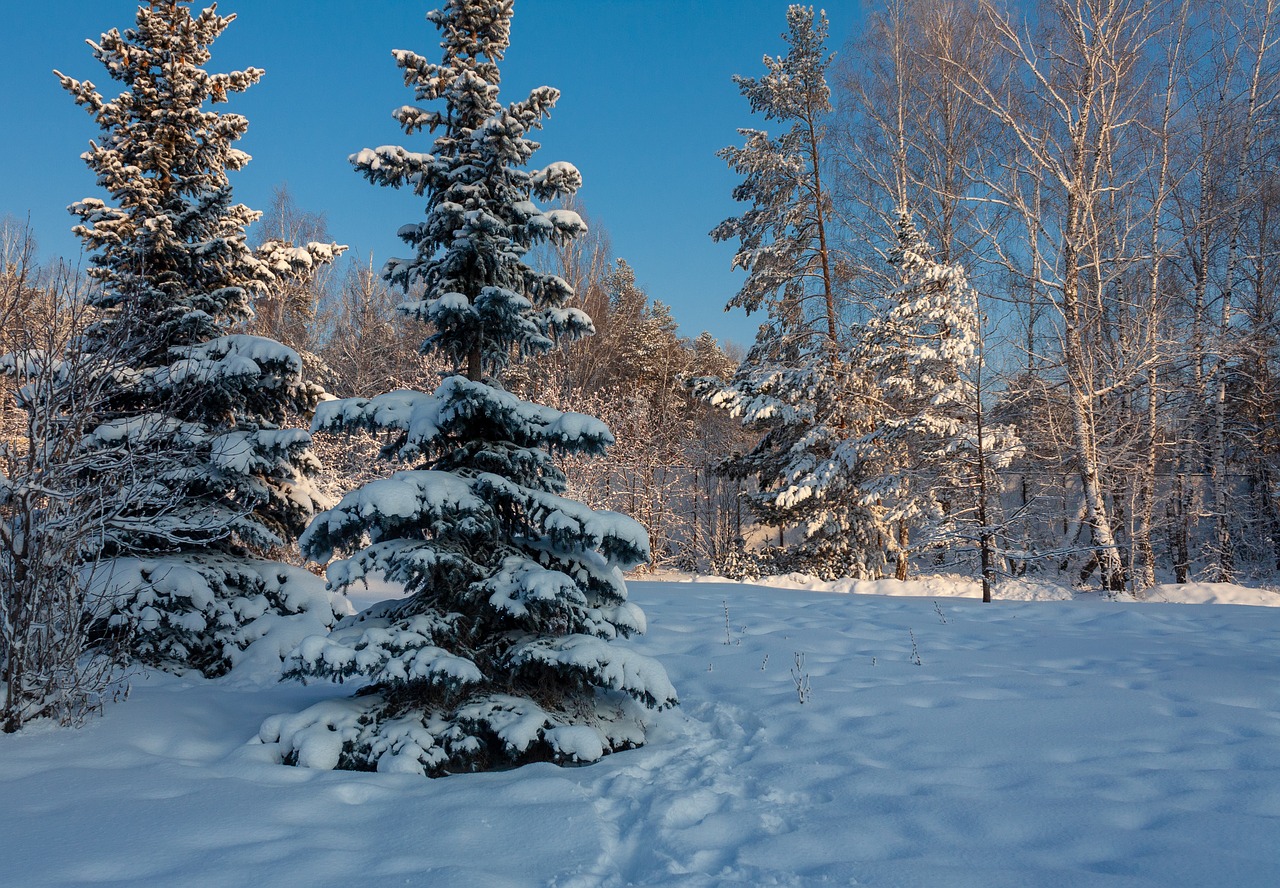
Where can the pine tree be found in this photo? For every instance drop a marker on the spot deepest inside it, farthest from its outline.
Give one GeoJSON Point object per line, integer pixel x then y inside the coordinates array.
{"type": "Point", "coordinates": [499, 654]}
{"type": "Point", "coordinates": [795, 387]}
{"type": "Point", "coordinates": [642, 337]}
{"type": "Point", "coordinates": [709, 359]}
{"type": "Point", "coordinates": [803, 463]}
{"type": "Point", "coordinates": [784, 236]}
{"type": "Point", "coordinates": [197, 405]}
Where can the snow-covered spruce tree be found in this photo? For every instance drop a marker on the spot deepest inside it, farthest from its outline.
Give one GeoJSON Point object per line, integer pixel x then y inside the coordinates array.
{"type": "Point", "coordinates": [174, 278]}
{"type": "Point", "coordinates": [924, 466]}
{"type": "Point", "coordinates": [795, 386]}
{"type": "Point", "coordinates": [500, 653]}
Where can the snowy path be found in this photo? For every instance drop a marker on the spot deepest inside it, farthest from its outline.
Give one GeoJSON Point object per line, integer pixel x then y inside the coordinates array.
{"type": "Point", "coordinates": [1074, 743]}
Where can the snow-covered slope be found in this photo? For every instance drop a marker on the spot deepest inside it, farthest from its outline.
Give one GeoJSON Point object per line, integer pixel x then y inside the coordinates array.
{"type": "Point", "coordinates": [943, 742]}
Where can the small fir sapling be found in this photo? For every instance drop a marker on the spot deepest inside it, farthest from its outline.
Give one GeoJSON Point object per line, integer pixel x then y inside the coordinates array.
{"type": "Point", "coordinates": [503, 650]}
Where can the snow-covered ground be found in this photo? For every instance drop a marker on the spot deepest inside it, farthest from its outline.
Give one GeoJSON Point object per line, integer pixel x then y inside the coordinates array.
{"type": "Point", "coordinates": [942, 742]}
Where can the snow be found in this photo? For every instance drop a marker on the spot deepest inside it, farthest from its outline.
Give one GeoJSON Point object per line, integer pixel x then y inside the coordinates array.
{"type": "Point", "coordinates": [143, 428]}
{"type": "Point", "coordinates": [560, 175]}
{"type": "Point", "coordinates": [392, 156]}
{"type": "Point", "coordinates": [609, 666]}
{"type": "Point", "coordinates": [258, 349]}
{"type": "Point", "coordinates": [1045, 739]}
{"type": "Point", "coordinates": [566, 221]}
{"type": "Point", "coordinates": [289, 260]}
{"type": "Point", "coordinates": [392, 410]}
{"type": "Point", "coordinates": [1024, 589]}
{"type": "Point", "coordinates": [569, 526]}
{"type": "Point", "coordinates": [241, 350]}
{"type": "Point", "coordinates": [427, 416]}
{"type": "Point", "coordinates": [257, 451]}
{"type": "Point", "coordinates": [413, 495]}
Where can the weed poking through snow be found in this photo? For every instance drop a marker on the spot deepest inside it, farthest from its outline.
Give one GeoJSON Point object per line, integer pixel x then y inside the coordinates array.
{"type": "Point", "coordinates": [803, 689]}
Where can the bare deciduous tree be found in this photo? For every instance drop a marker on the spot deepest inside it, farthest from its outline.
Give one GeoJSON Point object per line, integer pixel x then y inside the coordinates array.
{"type": "Point", "coordinates": [55, 661]}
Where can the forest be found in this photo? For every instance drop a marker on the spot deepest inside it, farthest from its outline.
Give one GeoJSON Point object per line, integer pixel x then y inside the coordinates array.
{"type": "Point", "coordinates": [964, 571]}
{"type": "Point", "coordinates": [1012, 268]}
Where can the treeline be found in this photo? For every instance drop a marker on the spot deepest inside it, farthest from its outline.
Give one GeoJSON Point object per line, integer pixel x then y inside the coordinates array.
{"type": "Point", "coordinates": [1103, 171]}
{"type": "Point", "coordinates": [342, 318]}
{"type": "Point", "coordinates": [1014, 268]}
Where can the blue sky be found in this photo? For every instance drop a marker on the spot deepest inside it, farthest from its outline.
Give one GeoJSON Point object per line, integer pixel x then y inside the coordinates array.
{"type": "Point", "coordinates": [647, 100]}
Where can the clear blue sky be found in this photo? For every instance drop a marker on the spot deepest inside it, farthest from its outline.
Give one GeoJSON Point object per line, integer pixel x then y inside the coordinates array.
{"type": "Point", "coordinates": [647, 100]}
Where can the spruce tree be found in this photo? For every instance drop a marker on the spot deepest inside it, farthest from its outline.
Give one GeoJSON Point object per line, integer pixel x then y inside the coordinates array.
{"type": "Point", "coordinates": [796, 387]}
{"type": "Point", "coordinates": [500, 652]}
{"type": "Point", "coordinates": [197, 406]}
{"type": "Point", "coordinates": [919, 465]}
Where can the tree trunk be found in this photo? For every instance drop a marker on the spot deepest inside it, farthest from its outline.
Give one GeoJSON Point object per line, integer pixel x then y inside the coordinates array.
{"type": "Point", "coordinates": [986, 540]}
{"type": "Point", "coordinates": [1081, 397]}
{"type": "Point", "coordinates": [1146, 494]}
{"type": "Point", "coordinates": [1180, 531]}
{"type": "Point", "coordinates": [903, 566]}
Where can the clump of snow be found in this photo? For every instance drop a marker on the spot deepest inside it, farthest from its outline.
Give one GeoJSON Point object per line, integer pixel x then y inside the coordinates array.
{"type": "Point", "coordinates": [557, 177]}
{"type": "Point", "coordinates": [455, 405]}
{"type": "Point", "coordinates": [314, 738]}
{"type": "Point", "coordinates": [1212, 593]}
{"type": "Point", "coordinates": [617, 668]}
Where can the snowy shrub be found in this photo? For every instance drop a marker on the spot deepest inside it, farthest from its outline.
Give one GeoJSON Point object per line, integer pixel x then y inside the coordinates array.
{"type": "Point", "coordinates": [736, 562]}
{"type": "Point", "coordinates": [49, 665]}
{"type": "Point", "coordinates": [51, 513]}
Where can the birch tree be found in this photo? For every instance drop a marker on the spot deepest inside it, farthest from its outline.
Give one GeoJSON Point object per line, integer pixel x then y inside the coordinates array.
{"type": "Point", "coordinates": [1083, 96]}
{"type": "Point", "coordinates": [1255, 33]}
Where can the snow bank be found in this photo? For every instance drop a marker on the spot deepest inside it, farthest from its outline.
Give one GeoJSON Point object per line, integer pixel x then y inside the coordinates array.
{"type": "Point", "coordinates": [1006, 589]}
